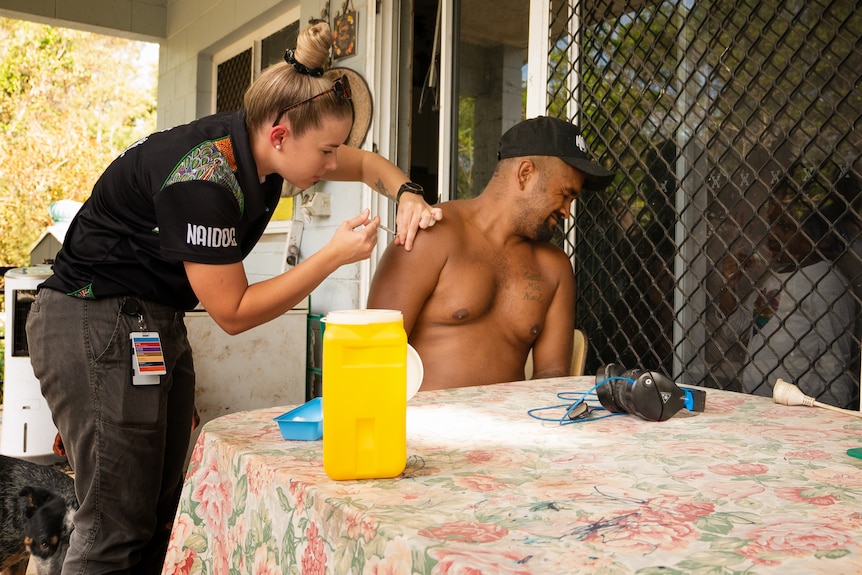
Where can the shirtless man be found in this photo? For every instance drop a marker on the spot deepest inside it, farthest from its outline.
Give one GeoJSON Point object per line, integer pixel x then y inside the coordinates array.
{"type": "Point", "coordinates": [485, 286]}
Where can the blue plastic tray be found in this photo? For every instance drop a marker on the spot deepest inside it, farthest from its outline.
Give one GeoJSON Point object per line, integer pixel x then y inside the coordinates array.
{"type": "Point", "coordinates": [304, 423]}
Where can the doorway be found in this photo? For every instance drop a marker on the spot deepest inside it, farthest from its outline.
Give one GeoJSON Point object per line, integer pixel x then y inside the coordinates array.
{"type": "Point", "coordinates": [485, 95]}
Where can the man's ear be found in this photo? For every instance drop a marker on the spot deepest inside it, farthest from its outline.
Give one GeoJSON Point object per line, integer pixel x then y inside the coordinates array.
{"type": "Point", "coordinates": [526, 169]}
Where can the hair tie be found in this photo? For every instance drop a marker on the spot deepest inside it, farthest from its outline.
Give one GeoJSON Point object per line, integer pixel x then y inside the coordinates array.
{"type": "Point", "coordinates": [290, 58]}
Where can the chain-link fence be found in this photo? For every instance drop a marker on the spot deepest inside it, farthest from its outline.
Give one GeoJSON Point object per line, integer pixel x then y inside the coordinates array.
{"type": "Point", "coordinates": [727, 253]}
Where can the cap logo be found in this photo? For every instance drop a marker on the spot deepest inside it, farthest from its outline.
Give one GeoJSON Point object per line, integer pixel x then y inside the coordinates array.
{"type": "Point", "coordinates": [579, 142]}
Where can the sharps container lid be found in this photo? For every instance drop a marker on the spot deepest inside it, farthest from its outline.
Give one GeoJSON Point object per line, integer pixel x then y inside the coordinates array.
{"type": "Point", "coordinates": [363, 316]}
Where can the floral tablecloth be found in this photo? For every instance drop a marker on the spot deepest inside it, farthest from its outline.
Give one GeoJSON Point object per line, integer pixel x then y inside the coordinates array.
{"type": "Point", "coordinates": [748, 486]}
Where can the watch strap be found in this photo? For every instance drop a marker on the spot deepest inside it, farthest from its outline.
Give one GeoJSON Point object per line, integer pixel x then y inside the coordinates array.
{"type": "Point", "coordinates": [409, 187]}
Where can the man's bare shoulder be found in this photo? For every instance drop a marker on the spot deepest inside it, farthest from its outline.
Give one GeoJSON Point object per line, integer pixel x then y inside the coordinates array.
{"type": "Point", "coordinates": [442, 236]}
{"type": "Point", "coordinates": [431, 249]}
{"type": "Point", "coordinates": [405, 280]}
{"type": "Point", "coordinates": [552, 252]}
{"type": "Point", "coordinates": [455, 213]}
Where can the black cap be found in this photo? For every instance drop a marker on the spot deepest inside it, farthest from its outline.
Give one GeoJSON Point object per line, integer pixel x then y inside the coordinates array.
{"type": "Point", "coordinates": [545, 136]}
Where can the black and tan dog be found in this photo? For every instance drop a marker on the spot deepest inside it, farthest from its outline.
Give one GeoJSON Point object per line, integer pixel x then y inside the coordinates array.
{"type": "Point", "coordinates": [36, 507]}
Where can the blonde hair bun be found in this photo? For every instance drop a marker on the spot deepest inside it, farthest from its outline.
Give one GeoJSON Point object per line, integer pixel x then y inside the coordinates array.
{"type": "Point", "coordinates": [313, 45]}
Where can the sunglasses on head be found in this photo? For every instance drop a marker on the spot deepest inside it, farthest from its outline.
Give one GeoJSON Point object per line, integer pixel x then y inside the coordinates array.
{"type": "Point", "coordinates": [340, 87]}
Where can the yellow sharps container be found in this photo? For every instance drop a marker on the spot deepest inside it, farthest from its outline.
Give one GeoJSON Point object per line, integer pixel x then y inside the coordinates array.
{"type": "Point", "coordinates": [364, 394]}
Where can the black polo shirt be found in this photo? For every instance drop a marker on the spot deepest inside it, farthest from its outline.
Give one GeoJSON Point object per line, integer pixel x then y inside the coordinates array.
{"type": "Point", "coordinates": [190, 193]}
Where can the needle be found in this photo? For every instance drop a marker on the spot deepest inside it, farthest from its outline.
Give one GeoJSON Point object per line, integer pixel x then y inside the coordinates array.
{"type": "Point", "coordinates": [385, 229]}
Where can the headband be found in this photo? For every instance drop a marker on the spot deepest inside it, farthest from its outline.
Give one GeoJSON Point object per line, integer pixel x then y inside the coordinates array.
{"type": "Point", "coordinates": [290, 58]}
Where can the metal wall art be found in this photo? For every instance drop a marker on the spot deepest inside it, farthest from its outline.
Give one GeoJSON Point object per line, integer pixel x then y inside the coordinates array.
{"type": "Point", "coordinates": [344, 31]}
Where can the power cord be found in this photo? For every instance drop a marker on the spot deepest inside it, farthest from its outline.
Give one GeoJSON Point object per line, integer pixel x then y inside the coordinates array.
{"type": "Point", "coordinates": [578, 411]}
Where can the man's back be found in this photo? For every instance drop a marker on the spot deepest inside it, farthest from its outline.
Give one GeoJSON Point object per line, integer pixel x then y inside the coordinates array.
{"type": "Point", "coordinates": [475, 301]}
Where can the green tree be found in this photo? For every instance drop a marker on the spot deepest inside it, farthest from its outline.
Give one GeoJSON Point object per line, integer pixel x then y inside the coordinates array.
{"type": "Point", "coordinates": [70, 102]}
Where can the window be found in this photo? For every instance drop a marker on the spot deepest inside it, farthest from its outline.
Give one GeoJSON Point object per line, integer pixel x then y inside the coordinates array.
{"type": "Point", "coordinates": [238, 65]}
{"type": "Point", "coordinates": [490, 59]}
{"type": "Point", "coordinates": [233, 77]}
{"type": "Point", "coordinates": [700, 107]}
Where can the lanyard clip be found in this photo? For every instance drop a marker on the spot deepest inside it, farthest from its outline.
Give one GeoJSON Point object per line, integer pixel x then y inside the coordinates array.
{"type": "Point", "coordinates": [132, 307]}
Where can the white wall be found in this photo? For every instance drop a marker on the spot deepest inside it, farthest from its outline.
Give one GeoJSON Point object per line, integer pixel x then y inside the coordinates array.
{"type": "Point", "coordinates": [196, 29]}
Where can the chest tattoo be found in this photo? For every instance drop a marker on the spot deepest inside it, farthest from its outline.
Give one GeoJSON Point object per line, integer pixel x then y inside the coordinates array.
{"type": "Point", "coordinates": [534, 289]}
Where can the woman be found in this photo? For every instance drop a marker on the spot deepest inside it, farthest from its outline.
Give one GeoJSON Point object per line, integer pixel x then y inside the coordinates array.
{"type": "Point", "coordinates": [168, 224]}
{"type": "Point", "coordinates": [800, 319]}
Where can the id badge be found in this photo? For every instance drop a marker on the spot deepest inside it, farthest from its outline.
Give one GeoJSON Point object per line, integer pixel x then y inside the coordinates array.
{"type": "Point", "coordinates": [148, 362]}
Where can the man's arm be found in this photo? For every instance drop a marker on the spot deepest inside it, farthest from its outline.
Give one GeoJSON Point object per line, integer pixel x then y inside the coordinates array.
{"type": "Point", "coordinates": [405, 280]}
{"type": "Point", "coordinates": [552, 351]}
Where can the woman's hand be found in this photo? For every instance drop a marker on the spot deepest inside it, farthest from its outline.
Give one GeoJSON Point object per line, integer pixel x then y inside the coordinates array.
{"type": "Point", "coordinates": [385, 178]}
{"type": "Point", "coordinates": [414, 213]}
{"type": "Point", "coordinates": [354, 239]}
{"type": "Point", "coordinates": [730, 270]}
{"type": "Point", "coordinates": [733, 266]}
{"type": "Point", "coordinates": [236, 306]}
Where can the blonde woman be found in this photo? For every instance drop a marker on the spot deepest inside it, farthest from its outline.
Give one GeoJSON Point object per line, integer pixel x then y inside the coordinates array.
{"type": "Point", "coordinates": [167, 226]}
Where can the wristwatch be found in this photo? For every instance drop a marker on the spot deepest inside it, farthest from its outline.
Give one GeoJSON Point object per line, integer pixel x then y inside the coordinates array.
{"type": "Point", "coordinates": [410, 187]}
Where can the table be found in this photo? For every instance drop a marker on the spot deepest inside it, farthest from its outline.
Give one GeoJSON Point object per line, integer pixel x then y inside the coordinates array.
{"type": "Point", "coordinates": [747, 486]}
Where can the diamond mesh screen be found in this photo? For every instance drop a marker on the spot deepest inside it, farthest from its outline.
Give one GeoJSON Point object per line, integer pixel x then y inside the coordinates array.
{"type": "Point", "coordinates": [727, 251]}
{"type": "Point", "coordinates": [273, 46]}
{"type": "Point", "coordinates": [234, 77]}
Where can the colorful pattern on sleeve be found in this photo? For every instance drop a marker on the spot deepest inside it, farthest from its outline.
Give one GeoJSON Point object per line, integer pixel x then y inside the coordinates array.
{"type": "Point", "coordinates": [211, 161]}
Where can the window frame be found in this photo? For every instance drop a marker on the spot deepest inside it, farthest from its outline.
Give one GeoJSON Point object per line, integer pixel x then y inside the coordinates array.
{"type": "Point", "coordinates": [252, 41]}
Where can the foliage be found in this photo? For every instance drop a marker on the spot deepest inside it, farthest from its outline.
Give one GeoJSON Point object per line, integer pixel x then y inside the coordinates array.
{"type": "Point", "coordinates": [70, 102]}
{"type": "Point", "coordinates": [466, 113]}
